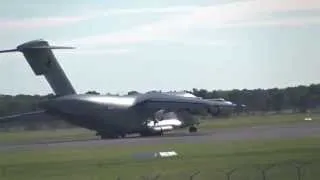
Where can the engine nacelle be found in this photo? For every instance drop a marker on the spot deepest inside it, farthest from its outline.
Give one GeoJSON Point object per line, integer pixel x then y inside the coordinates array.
{"type": "Point", "coordinates": [164, 125]}
{"type": "Point", "coordinates": [214, 111]}
{"type": "Point", "coordinates": [161, 128]}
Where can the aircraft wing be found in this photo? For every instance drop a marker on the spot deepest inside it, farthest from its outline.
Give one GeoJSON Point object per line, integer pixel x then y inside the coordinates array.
{"type": "Point", "coordinates": [174, 102]}
{"type": "Point", "coordinates": [29, 116]}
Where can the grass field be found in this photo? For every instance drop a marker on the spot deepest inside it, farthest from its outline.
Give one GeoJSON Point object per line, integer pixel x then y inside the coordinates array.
{"type": "Point", "coordinates": [78, 133]}
{"type": "Point", "coordinates": [243, 121]}
{"type": "Point", "coordinates": [212, 160]}
{"type": "Point", "coordinates": [46, 135]}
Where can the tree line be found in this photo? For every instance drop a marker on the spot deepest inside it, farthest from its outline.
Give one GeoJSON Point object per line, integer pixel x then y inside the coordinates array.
{"type": "Point", "coordinates": [298, 99]}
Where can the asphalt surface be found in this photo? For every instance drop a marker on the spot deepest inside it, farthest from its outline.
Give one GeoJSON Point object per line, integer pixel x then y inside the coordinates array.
{"type": "Point", "coordinates": [244, 133]}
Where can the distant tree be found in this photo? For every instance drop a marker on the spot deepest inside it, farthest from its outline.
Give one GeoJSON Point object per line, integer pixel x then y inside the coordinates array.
{"type": "Point", "coordinates": [133, 92]}
{"type": "Point", "coordinates": [277, 99]}
{"type": "Point", "coordinates": [201, 93]}
{"type": "Point", "coordinates": [92, 92]}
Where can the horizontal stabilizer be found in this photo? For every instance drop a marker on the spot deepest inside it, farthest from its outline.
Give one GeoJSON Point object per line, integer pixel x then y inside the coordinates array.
{"type": "Point", "coordinates": [9, 50]}
{"type": "Point", "coordinates": [50, 47]}
{"type": "Point", "coordinates": [19, 49]}
{"type": "Point", "coordinates": [29, 116]}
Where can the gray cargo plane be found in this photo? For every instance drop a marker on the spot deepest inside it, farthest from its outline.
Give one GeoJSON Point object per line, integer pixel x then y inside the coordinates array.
{"type": "Point", "coordinates": [109, 116]}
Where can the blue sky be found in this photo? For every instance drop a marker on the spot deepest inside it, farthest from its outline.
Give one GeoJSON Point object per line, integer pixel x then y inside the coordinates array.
{"type": "Point", "coordinates": [165, 45]}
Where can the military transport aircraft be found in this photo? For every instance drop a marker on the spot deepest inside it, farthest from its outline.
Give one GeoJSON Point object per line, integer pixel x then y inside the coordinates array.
{"type": "Point", "coordinates": [110, 116]}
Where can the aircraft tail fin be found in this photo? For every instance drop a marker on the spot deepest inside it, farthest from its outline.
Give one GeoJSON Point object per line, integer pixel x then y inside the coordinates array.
{"type": "Point", "coordinates": [41, 59]}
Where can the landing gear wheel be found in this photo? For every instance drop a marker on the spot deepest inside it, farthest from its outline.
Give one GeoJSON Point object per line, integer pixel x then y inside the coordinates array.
{"type": "Point", "coordinates": [107, 136]}
{"type": "Point", "coordinates": [104, 136]}
{"type": "Point", "coordinates": [193, 129]}
{"type": "Point", "coordinates": [150, 134]}
{"type": "Point", "coordinates": [159, 133]}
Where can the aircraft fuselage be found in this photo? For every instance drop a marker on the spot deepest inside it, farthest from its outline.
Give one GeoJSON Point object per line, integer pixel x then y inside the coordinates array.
{"type": "Point", "coordinates": [110, 114]}
{"type": "Point", "coordinates": [116, 114]}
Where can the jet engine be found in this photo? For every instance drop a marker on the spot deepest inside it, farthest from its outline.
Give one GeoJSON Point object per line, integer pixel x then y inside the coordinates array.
{"type": "Point", "coordinates": [161, 128]}
{"type": "Point", "coordinates": [214, 111]}
{"type": "Point", "coordinates": [164, 125]}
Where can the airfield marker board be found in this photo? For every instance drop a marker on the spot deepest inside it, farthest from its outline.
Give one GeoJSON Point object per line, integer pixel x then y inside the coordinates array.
{"type": "Point", "coordinates": [154, 155]}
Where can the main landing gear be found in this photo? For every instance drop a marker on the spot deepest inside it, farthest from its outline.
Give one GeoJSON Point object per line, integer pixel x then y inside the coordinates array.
{"type": "Point", "coordinates": [109, 135]}
{"type": "Point", "coordinates": [150, 133]}
{"type": "Point", "coordinates": [193, 129]}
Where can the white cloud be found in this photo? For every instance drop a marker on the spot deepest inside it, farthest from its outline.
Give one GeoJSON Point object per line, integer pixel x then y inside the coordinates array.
{"type": "Point", "coordinates": [130, 11]}
{"type": "Point", "coordinates": [177, 26]}
{"type": "Point", "coordinates": [201, 42]}
{"type": "Point", "coordinates": [7, 24]}
{"type": "Point", "coordinates": [40, 22]}
{"type": "Point", "coordinates": [215, 16]}
{"type": "Point", "coordinates": [112, 51]}
{"type": "Point", "coordinates": [218, 16]}
{"type": "Point", "coordinates": [288, 22]}
{"type": "Point", "coordinates": [200, 16]}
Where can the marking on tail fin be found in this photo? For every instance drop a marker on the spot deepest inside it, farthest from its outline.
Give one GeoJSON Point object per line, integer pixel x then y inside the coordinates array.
{"type": "Point", "coordinates": [41, 59]}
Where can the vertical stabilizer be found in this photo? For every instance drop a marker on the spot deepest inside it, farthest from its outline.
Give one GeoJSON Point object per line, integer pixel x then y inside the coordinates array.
{"type": "Point", "coordinates": [40, 57]}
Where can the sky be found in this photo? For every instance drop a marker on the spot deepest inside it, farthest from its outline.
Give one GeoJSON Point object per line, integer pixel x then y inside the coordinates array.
{"type": "Point", "coordinates": [166, 45]}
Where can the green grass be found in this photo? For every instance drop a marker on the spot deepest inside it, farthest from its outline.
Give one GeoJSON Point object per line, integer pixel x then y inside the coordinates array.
{"type": "Point", "coordinates": [46, 135]}
{"type": "Point", "coordinates": [249, 121]}
{"type": "Point", "coordinates": [78, 133]}
{"type": "Point", "coordinates": [212, 160]}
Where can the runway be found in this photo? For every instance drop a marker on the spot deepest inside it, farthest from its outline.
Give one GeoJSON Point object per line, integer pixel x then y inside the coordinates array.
{"type": "Point", "coordinates": [244, 133]}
